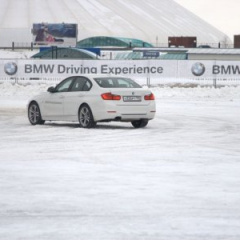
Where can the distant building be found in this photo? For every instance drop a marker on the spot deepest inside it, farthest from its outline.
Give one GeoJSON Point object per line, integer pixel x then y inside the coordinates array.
{"type": "Point", "coordinates": [64, 53]}
{"type": "Point", "coordinates": [105, 41]}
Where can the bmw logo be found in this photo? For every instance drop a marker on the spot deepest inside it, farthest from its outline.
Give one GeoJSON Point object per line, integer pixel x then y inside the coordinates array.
{"type": "Point", "coordinates": [10, 68]}
{"type": "Point", "coordinates": [198, 69]}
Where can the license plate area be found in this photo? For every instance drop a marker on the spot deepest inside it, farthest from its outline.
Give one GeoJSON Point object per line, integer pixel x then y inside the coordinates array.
{"type": "Point", "coordinates": [132, 98]}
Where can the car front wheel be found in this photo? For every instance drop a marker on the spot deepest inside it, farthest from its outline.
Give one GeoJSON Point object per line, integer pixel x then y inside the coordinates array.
{"type": "Point", "coordinates": [85, 117]}
{"type": "Point", "coordinates": [34, 114]}
{"type": "Point", "coordinates": [140, 123]}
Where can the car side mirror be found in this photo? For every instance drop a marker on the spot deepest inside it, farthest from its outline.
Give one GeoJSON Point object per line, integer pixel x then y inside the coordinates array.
{"type": "Point", "coordinates": [51, 89]}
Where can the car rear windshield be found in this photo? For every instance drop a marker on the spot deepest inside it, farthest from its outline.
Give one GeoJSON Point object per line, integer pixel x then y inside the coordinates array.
{"type": "Point", "coordinates": [108, 82]}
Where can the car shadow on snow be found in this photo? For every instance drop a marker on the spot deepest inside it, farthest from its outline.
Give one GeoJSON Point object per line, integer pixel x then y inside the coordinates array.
{"type": "Point", "coordinates": [98, 126]}
{"type": "Point", "coordinates": [112, 126]}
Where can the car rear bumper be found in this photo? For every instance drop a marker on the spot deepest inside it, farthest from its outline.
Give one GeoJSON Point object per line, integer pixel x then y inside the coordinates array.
{"type": "Point", "coordinates": [112, 111]}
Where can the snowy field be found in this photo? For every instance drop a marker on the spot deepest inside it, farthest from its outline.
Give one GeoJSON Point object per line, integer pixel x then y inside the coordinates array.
{"type": "Point", "coordinates": [177, 179]}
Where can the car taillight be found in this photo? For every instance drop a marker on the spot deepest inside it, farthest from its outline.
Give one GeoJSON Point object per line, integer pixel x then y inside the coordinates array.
{"type": "Point", "coordinates": [149, 97]}
{"type": "Point", "coordinates": [110, 96]}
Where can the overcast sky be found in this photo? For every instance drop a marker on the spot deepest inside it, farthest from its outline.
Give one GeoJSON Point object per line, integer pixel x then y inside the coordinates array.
{"type": "Point", "coordinates": [222, 14]}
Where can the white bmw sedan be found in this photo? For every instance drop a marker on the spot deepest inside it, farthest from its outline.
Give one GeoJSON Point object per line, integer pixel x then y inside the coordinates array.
{"type": "Point", "coordinates": [92, 99]}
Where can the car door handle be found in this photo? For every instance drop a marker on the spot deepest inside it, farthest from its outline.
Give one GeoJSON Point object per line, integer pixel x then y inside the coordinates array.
{"type": "Point", "coordinates": [61, 97]}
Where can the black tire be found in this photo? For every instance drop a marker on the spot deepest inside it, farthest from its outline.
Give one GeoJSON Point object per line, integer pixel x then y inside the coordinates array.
{"type": "Point", "coordinates": [34, 114]}
{"type": "Point", "coordinates": [85, 117]}
{"type": "Point", "coordinates": [140, 123]}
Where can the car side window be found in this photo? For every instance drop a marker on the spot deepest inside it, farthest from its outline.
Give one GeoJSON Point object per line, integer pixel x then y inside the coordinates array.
{"type": "Point", "coordinates": [81, 84]}
{"type": "Point", "coordinates": [64, 86]}
{"type": "Point", "coordinates": [87, 86]}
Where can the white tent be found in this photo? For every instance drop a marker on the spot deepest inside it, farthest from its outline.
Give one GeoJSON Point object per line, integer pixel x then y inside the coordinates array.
{"type": "Point", "coordinates": [152, 21]}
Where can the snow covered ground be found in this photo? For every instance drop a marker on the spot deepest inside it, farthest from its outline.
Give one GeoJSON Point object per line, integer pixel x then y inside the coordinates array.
{"type": "Point", "coordinates": [179, 178]}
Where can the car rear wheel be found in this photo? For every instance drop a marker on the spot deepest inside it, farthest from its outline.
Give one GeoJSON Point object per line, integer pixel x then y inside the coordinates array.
{"type": "Point", "coordinates": [34, 114]}
{"type": "Point", "coordinates": [140, 123]}
{"type": "Point", "coordinates": [85, 117]}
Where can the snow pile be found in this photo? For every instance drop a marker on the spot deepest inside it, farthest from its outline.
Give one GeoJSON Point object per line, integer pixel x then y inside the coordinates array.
{"type": "Point", "coordinates": [9, 92]}
{"type": "Point", "coordinates": [30, 89]}
{"type": "Point", "coordinates": [21, 90]}
{"type": "Point", "coordinates": [17, 54]}
{"type": "Point", "coordinates": [17, 95]}
{"type": "Point", "coordinates": [227, 92]}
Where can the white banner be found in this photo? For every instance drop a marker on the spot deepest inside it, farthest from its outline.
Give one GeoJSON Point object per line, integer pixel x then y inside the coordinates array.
{"type": "Point", "coordinates": [157, 71]}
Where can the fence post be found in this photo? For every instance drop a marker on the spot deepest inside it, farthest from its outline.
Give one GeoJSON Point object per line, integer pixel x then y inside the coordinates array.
{"type": "Point", "coordinates": [52, 52]}
{"type": "Point", "coordinates": [215, 78]}
{"type": "Point", "coordinates": [215, 82]}
{"type": "Point", "coordinates": [12, 46]}
{"type": "Point", "coordinates": [54, 49]}
{"type": "Point", "coordinates": [56, 52]}
{"type": "Point", "coordinates": [148, 81]}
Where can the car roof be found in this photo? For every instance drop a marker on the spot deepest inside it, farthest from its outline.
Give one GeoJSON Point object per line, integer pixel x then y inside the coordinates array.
{"type": "Point", "coordinates": [92, 76]}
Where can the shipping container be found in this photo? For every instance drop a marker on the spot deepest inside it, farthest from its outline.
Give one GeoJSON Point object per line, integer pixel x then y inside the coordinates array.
{"type": "Point", "coordinates": [186, 42]}
{"type": "Point", "coordinates": [236, 41]}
